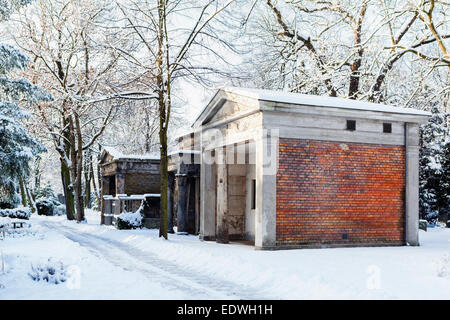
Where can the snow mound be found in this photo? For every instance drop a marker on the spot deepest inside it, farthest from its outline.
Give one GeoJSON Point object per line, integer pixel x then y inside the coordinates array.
{"type": "Point", "coordinates": [4, 222]}
{"type": "Point", "coordinates": [129, 220]}
{"type": "Point", "coordinates": [60, 210]}
{"type": "Point", "coordinates": [18, 213]}
{"type": "Point", "coordinates": [444, 267]}
{"type": "Point", "coordinates": [28, 230]}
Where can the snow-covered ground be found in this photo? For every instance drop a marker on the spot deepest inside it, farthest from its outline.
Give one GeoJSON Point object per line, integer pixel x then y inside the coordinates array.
{"type": "Point", "coordinates": [104, 263]}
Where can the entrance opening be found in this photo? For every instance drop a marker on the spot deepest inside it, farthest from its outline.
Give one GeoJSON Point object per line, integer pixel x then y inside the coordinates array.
{"type": "Point", "coordinates": [240, 181]}
{"type": "Point", "coordinates": [112, 185]}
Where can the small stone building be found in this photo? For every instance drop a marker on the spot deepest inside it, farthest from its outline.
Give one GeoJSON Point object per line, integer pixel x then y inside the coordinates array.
{"type": "Point", "coordinates": [129, 175]}
{"type": "Point", "coordinates": [184, 186]}
{"type": "Point", "coordinates": [288, 170]}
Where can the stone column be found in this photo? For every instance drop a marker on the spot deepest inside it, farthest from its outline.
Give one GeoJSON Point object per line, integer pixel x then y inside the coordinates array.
{"type": "Point", "coordinates": [412, 184]}
{"type": "Point", "coordinates": [197, 205]}
{"type": "Point", "coordinates": [207, 196]}
{"type": "Point", "coordinates": [181, 205]}
{"type": "Point", "coordinates": [265, 214]}
{"type": "Point", "coordinates": [120, 183]}
{"type": "Point", "coordinates": [222, 197]}
{"type": "Point", "coordinates": [170, 202]}
{"type": "Point", "coordinates": [104, 191]}
{"type": "Point", "coordinates": [116, 209]}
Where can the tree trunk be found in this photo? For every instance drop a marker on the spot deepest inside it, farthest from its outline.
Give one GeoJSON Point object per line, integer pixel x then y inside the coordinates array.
{"type": "Point", "coordinates": [37, 175]}
{"type": "Point", "coordinates": [68, 191]}
{"type": "Point", "coordinates": [163, 114]}
{"type": "Point", "coordinates": [65, 170]}
{"type": "Point", "coordinates": [79, 202]}
{"type": "Point", "coordinates": [87, 193]}
{"type": "Point", "coordinates": [94, 185]}
{"type": "Point", "coordinates": [77, 191]}
{"type": "Point", "coordinates": [87, 179]}
{"type": "Point", "coordinates": [22, 192]}
{"type": "Point", "coordinates": [30, 199]}
{"type": "Point", "coordinates": [164, 185]}
{"type": "Point", "coordinates": [76, 169]}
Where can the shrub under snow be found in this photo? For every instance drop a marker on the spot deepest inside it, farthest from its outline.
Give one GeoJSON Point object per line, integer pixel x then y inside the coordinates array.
{"type": "Point", "coordinates": [6, 204]}
{"type": "Point", "coordinates": [51, 271]}
{"type": "Point", "coordinates": [432, 217]}
{"type": "Point", "coordinates": [60, 210]}
{"type": "Point", "coordinates": [18, 213]}
{"type": "Point", "coordinates": [4, 222]}
{"type": "Point", "coordinates": [45, 207]}
{"type": "Point", "coordinates": [129, 220]}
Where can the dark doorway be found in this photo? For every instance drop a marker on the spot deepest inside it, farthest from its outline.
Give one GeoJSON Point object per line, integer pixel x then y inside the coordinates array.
{"type": "Point", "coordinates": [112, 186]}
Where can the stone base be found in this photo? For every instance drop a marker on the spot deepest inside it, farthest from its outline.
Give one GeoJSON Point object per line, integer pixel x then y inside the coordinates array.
{"type": "Point", "coordinates": [331, 245]}
{"type": "Point", "coordinates": [108, 220]}
{"type": "Point", "coordinates": [151, 223]}
{"type": "Point", "coordinates": [231, 237]}
{"type": "Point", "coordinates": [207, 238]}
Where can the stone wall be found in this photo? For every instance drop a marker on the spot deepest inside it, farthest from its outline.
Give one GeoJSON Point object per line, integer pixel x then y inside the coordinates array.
{"type": "Point", "coordinates": [141, 183]}
{"type": "Point", "coordinates": [340, 193]}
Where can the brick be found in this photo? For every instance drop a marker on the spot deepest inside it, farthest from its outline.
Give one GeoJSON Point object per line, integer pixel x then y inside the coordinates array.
{"type": "Point", "coordinates": [324, 190]}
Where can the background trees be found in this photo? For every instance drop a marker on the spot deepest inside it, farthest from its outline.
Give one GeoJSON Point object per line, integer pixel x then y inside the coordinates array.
{"type": "Point", "coordinates": [434, 195]}
{"type": "Point", "coordinates": [351, 49]}
{"type": "Point", "coordinates": [120, 68]}
{"type": "Point", "coordinates": [70, 61]}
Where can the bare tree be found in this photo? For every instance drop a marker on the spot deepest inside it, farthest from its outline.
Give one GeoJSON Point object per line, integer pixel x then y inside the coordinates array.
{"type": "Point", "coordinates": [172, 37]}
{"type": "Point", "coordinates": [69, 62]}
{"type": "Point", "coordinates": [347, 48]}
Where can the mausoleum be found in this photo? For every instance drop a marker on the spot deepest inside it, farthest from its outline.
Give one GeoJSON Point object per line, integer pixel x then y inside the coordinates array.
{"type": "Point", "coordinates": [288, 170]}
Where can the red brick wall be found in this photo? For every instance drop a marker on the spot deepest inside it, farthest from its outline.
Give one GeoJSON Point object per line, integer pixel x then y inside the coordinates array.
{"type": "Point", "coordinates": [141, 183]}
{"type": "Point", "coordinates": [325, 189]}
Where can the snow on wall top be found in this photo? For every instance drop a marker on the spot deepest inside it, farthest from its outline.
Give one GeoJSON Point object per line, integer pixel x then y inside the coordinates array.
{"type": "Point", "coordinates": [183, 151]}
{"type": "Point", "coordinates": [117, 155]}
{"type": "Point", "coordinates": [322, 101]}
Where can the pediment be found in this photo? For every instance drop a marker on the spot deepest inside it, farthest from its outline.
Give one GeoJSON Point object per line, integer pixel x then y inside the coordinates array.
{"type": "Point", "coordinates": [106, 156]}
{"type": "Point", "coordinates": [225, 105]}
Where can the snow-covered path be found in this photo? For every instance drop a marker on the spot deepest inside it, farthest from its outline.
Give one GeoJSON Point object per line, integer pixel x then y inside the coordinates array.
{"type": "Point", "coordinates": [137, 264]}
{"type": "Point", "coordinates": [161, 271]}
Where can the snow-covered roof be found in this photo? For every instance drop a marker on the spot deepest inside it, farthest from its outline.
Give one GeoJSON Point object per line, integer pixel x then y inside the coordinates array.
{"type": "Point", "coordinates": [322, 101]}
{"type": "Point", "coordinates": [152, 195]}
{"type": "Point", "coordinates": [185, 151]}
{"type": "Point", "coordinates": [123, 196]}
{"type": "Point", "coordinates": [117, 155]}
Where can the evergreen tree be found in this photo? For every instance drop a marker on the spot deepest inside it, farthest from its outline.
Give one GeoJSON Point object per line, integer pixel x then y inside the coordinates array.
{"type": "Point", "coordinates": [444, 213]}
{"type": "Point", "coordinates": [434, 162]}
{"type": "Point", "coordinates": [46, 192]}
{"type": "Point", "coordinates": [17, 148]}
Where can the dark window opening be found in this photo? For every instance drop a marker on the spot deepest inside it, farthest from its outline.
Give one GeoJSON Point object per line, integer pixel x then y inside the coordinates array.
{"type": "Point", "coordinates": [253, 194]}
{"type": "Point", "coordinates": [351, 125]}
{"type": "Point", "coordinates": [112, 186]}
{"type": "Point", "coordinates": [387, 127]}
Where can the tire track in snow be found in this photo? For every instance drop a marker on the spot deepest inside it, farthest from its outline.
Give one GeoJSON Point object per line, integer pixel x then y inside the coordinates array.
{"type": "Point", "coordinates": [165, 272]}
